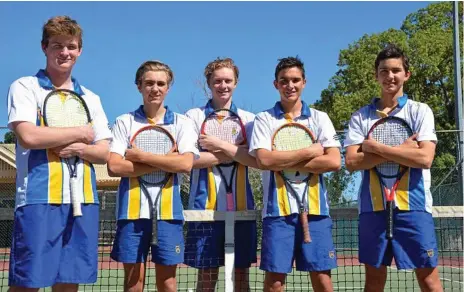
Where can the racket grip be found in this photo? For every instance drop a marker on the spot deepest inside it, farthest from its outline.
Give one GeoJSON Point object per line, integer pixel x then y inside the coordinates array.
{"type": "Point", "coordinates": [230, 202]}
{"type": "Point", "coordinates": [76, 204]}
{"type": "Point", "coordinates": [389, 219]}
{"type": "Point", "coordinates": [305, 226]}
{"type": "Point", "coordinates": [154, 232]}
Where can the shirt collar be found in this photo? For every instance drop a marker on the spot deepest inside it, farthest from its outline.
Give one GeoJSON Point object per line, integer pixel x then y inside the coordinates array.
{"type": "Point", "coordinates": [46, 83]}
{"type": "Point", "coordinates": [279, 112]}
{"type": "Point", "coordinates": [209, 108]}
{"type": "Point", "coordinates": [168, 115]}
{"type": "Point", "coordinates": [401, 102]}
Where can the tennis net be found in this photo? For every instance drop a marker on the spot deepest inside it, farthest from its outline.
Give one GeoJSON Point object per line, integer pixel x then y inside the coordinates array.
{"type": "Point", "coordinates": [349, 276]}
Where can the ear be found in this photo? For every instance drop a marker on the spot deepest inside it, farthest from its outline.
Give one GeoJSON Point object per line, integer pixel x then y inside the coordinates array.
{"type": "Point", "coordinates": [44, 47]}
{"type": "Point", "coordinates": [80, 52]}
{"type": "Point", "coordinates": [407, 75]}
{"type": "Point", "coordinates": [276, 85]}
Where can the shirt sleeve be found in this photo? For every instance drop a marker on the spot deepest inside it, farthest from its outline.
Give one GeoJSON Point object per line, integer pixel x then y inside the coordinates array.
{"type": "Point", "coordinates": [194, 119]}
{"type": "Point", "coordinates": [22, 104]}
{"type": "Point", "coordinates": [186, 137]}
{"type": "Point", "coordinates": [260, 136]}
{"type": "Point", "coordinates": [100, 122]}
{"type": "Point", "coordinates": [425, 124]}
{"type": "Point", "coordinates": [327, 135]}
{"type": "Point", "coordinates": [354, 135]}
{"type": "Point", "coordinates": [120, 135]}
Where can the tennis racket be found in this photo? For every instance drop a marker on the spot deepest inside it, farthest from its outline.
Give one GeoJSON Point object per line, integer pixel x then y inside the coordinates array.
{"type": "Point", "coordinates": [391, 131]}
{"type": "Point", "coordinates": [289, 137]}
{"type": "Point", "coordinates": [66, 108]}
{"type": "Point", "coordinates": [227, 126]}
{"type": "Point", "coordinates": [156, 140]}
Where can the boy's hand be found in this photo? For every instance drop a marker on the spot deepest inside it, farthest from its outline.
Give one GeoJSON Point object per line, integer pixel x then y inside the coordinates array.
{"type": "Point", "coordinates": [411, 142]}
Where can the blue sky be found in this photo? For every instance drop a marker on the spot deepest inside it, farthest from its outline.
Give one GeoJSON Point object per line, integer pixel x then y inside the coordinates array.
{"type": "Point", "coordinates": [119, 36]}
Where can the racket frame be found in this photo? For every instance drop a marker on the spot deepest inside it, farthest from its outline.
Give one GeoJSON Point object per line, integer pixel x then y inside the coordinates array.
{"type": "Point", "coordinates": [75, 201]}
{"type": "Point", "coordinates": [153, 206]}
{"type": "Point", "coordinates": [302, 208]}
{"type": "Point", "coordinates": [233, 163]}
{"type": "Point", "coordinates": [390, 193]}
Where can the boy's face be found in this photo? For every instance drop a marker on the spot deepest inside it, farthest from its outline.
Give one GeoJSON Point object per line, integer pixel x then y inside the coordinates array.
{"type": "Point", "coordinates": [290, 84]}
{"type": "Point", "coordinates": [391, 75]}
{"type": "Point", "coordinates": [62, 52]}
{"type": "Point", "coordinates": [154, 86]}
{"type": "Point", "coordinates": [222, 84]}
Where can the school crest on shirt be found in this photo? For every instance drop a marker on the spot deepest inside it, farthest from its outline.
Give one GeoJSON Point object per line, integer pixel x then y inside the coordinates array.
{"type": "Point", "coordinates": [331, 254]}
{"type": "Point", "coordinates": [177, 249]}
{"type": "Point", "coordinates": [430, 253]}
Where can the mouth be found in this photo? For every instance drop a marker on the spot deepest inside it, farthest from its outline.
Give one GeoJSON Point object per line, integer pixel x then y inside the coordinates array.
{"type": "Point", "coordinates": [290, 93]}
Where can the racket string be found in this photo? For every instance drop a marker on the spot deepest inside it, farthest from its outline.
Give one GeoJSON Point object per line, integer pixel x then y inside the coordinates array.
{"type": "Point", "coordinates": [392, 132]}
{"type": "Point", "coordinates": [154, 141]}
{"type": "Point", "coordinates": [68, 111]}
{"type": "Point", "coordinates": [229, 129]}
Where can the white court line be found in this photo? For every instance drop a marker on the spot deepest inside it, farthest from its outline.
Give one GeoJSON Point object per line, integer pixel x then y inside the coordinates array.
{"type": "Point", "coordinates": [454, 281]}
{"type": "Point", "coordinates": [287, 288]}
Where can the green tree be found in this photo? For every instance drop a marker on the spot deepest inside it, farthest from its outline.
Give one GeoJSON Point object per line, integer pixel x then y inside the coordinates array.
{"type": "Point", "coordinates": [9, 138]}
{"type": "Point", "coordinates": [426, 36]}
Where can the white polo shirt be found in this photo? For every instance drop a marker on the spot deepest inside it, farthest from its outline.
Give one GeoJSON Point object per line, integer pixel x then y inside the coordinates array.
{"type": "Point", "coordinates": [41, 176]}
{"type": "Point", "coordinates": [278, 201]}
{"type": "Point", "coordinates": [413, 192]}
{"type": "Point", "coordinates": [131, 202]}
{"type": "Point", "coordinates": [207, 189]}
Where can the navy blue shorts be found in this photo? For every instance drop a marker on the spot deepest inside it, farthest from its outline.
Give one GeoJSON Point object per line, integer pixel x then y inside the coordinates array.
{"type": "Point", "coordinates": [413, 246]}
{"type": "Point", "coordinates": [51, 246]}
{"type": "Point", "coordinates": [283, 243]}
{"type": "Point", "coordinates": [132, 242]}
{"type": "Point", "coordinates": [205, 244]}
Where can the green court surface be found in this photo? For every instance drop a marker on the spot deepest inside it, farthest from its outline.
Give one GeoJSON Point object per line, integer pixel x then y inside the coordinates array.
{"type": "Point", "coordinates": [347, 278]}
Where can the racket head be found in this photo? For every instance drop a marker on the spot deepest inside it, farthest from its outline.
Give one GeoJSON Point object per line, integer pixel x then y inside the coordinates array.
{"type": "Point", "coordinates": [391, 131]}
{"type": "Point", "coordinates": [156, 140]}
{"type": "Point", "coordinates": [65, 108]}
{"type": "Point", "coordinates": [289, 137]}
{"type": "Point", "coordinates": [225, 125]}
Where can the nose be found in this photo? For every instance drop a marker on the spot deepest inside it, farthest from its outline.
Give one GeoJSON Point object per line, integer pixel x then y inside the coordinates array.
{"type": "Point", "coordinates": [223, 84]}
{"type": "Point", "coordinates": [64, 50]}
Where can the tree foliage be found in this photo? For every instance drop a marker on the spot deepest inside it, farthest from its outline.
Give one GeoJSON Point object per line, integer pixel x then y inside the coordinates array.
{"type": "Point", "coordinates": [426, 36]}
{"type": "Point", "coordinates": [9, 138]}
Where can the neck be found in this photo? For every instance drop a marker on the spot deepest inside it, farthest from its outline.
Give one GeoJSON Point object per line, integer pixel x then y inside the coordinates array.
{"type": "Point", "coordinates": [390, 100]}
{"type": "Point", "coordinates": [154, 112]}
{"type": "Point", "coordinates": [60, 80]}
{"type": "Point", "coordinates": [217, 104]}
{"type": "Point", "coordinates": [292, 108]}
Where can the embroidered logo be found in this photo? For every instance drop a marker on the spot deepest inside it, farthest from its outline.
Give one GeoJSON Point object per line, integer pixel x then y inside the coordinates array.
{"type": "Point", "coordinates": [177, 249]}
{"type": "Point", "coordinates": [331, 254]}
{"type": "Point", "coordinates": [430, 253]}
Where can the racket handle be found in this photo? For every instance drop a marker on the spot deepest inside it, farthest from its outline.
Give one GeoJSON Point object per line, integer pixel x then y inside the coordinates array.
{"type": "Point", "coordinates": [154, 232]}
{"type": "Point", "coordinates": [305, 225]}
{"type": "Point", "coordinates": [76, 204]}
{"type": "Point", "coordinates": [230, 201]}
{"type": "Point", "coordinates": [389, 219]}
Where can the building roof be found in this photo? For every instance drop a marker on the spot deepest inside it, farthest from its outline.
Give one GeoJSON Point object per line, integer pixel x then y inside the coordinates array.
{"type": "Point", "coordinates": [8, 168]}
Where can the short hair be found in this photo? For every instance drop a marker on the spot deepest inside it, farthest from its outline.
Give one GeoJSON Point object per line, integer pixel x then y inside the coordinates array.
{"type": "Point", "coordinates": [289, 62]}
{"type": "Point", "coordinates": [154, 65]}
{"type": "Point", "coordinates": [219, 64]}
{"type": "Point", "coordinates": [392, 51]}
{"type": "Point", "coordinates": [61, 26]}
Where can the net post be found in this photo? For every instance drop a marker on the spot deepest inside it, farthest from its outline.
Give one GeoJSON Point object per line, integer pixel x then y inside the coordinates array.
{"type": "Point", "coordinates": [229, 249]}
